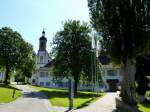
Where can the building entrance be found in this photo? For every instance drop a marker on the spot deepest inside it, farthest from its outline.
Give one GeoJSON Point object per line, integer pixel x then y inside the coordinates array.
{"type": "Point", "coordinates": [112, 84]}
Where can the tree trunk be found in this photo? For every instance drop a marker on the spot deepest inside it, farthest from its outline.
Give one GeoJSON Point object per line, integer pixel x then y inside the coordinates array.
{"type": "Point", "coordinates": [141, 98]}
{"type": "Point", "coordinates": [7, 75]}
{"type": "Point", "coordinates": [76, 80]}
{"type": "Point", "coordinates": [128, 92]}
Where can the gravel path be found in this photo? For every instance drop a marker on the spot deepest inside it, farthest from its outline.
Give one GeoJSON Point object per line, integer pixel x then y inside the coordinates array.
{"type": "Point", "coordinates": [31, 101]}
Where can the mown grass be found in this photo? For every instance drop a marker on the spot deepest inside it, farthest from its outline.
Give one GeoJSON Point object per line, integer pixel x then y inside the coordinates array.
{"type": "Point", "coordinates": [145, 106]}
{"type": "Point", "coordinates": [6, 93]}
{"type": "Point", "coordinates": [148, 94]}
{"type": "Point", "coordinates": [59, 97]}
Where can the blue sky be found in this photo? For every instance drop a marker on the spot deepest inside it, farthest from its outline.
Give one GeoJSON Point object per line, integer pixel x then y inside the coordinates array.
{"type": "Point", "coordinates": [29, 17]}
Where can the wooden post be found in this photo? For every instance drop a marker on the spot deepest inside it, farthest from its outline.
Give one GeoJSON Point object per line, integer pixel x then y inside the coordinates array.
{"type": "Point", "coordinates": [14, 91]}
{"type": "Point", "coordinates": [71, 93]}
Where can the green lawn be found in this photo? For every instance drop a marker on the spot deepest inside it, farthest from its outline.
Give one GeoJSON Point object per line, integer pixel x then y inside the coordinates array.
{"type": "Point", "coordinates": [59, 97]}
{"type": "Point", "coordinates": [6, 93]}
{"type": "Point", "coordinates": [148, 94]}
{"type": "Point", "coordinates": [145, 106]}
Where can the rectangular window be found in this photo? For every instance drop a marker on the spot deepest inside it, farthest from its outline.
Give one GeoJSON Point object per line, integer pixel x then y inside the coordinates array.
{"type": "Point", "coordinates": [46, 74]}
{"type": "Point", "coordinates": [111, 72]}
{"type": "Point", "coordinates": [41, 59]}
{"type": "Point", "coordinates": [41, 83]}
{"type": "Point", "coordinates": [41, 74]}
{"type": "Point", "coordinates": [47, 83]}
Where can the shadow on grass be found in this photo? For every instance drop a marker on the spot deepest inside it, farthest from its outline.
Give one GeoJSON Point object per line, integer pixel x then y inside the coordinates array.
{"type": "Point", "coordinates": [145, 104]}
{"type": "Point", "coordinates": [89, 101]}
{"type": "Point", "coordinates": [55, 94]}
{"type": "Point", "coordinates": [86, 103]}
{"type": "Point", "coordinates": [8, 86]}
{"type": "Point", "coordinates": [64, 94]}
{"type": "Point", "coordinates": [87, 95]}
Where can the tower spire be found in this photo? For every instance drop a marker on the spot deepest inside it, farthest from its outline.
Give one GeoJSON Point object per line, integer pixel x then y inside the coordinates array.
{"type": "Point", "coordinates": [42, 42]}
{"type": "Point", "coordinates": [43, 33]}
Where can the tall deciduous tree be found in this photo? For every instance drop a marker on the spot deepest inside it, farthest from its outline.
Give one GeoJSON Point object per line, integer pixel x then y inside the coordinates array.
{"type": "Point", "coordinates": [72, 49]}
{"type": "Point", "coordinates": [28, 64]}
{"type": "Point", "coordinates": [125, 27]}
{"type": "Point", "coordinates": [13, 50]}
{"type": "Point", "coordinates": [142, 71]}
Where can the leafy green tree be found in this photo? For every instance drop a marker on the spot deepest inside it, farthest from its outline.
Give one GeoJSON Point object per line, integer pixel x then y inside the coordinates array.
{"type": "Point", "coordinates": [125, 29]}
{"type": "Point", "coordinates": [142, 71]}
{"type": "Point", "coordinates": [28, 65]}
{"type": "Point", "coordinates": [72, 49]}
{"type": "Point", "coordinates": [13, 50]}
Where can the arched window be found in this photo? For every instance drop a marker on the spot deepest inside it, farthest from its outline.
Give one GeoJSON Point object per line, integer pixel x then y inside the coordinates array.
{"type": "Point", "coordinates": [41, 59]}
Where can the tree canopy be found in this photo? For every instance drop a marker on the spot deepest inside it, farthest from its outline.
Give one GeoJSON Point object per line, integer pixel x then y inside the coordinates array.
{"type": "Point", "coordinates": [124, 25]}
{"type": "Point", "coordinates": [72, 48]}
{"type": "Point", "coordinates": [142, 71]}
{"type": "Point", "coordinates": [14, 51]}
{"type": "Point", "coordinates": [28, 64]}
{"type": "Point", "coordinates": [125, 29]}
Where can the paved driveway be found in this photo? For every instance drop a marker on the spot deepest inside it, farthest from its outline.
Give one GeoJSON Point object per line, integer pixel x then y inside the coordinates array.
{"type": "Point", "coordinates": [31, 101]}
{"type": "Point", "coordinates": [104, 104]}
{"type": "Point", "coordinates": [34, 101]}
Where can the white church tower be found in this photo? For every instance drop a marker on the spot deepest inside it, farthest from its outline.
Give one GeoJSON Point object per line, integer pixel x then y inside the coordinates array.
{"type": "Point", "coordinates": [41, 75]}
{"type": "Point", "coordinates": [42, 55]}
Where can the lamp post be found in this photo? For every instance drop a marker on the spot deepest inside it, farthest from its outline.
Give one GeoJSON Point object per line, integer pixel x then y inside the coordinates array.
{"type": "Point", "coordinates": [14, 90]}
{"type": "Point", "coordinates": [71, 93]}
{"type": "Point", "coordinates": [94, 62]}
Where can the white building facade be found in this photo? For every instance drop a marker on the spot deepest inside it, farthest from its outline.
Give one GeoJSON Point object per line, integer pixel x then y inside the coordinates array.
{"type": "Point", "coordinates": [43, 75]}
{"type": "Point", "coordinates": [112, 77]}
